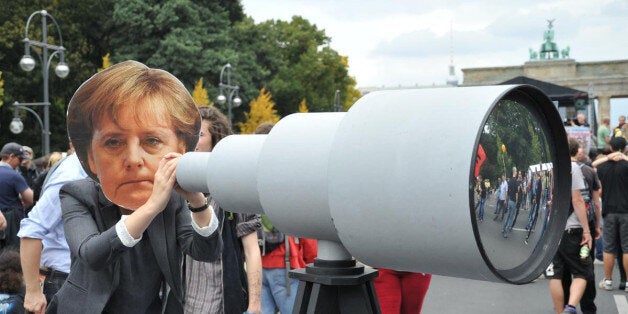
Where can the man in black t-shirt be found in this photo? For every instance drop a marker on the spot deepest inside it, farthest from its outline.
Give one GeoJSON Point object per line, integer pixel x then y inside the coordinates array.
{"type": "Point", "coordinates": [513, 194]}
{"type": "Point", "coordinates": [614, 178]}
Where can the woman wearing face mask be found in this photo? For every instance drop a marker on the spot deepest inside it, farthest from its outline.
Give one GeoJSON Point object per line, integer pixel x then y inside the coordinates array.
{"type": "Point", "coordinates": [129, 225]}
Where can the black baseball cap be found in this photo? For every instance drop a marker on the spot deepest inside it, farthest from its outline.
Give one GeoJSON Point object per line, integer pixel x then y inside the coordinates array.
{"type": "Point", "coordinates": [15, 149]}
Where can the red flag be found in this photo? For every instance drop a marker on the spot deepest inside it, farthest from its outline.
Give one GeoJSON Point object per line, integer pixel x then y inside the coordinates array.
{"type": "Point", "coordinates": [479, 160]}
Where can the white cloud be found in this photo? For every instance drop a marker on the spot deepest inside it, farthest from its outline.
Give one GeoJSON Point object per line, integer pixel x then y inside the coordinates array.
{"type": "Point", "coordinates": [407, 42]}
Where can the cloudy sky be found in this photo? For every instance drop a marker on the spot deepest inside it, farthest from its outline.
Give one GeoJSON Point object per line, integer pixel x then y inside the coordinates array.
{"type": "Point", "coordinates": [408, 42]}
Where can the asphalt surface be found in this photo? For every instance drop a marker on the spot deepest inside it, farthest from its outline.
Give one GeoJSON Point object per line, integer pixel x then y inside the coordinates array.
{"type": "Point", "coordinates": [453, 295]}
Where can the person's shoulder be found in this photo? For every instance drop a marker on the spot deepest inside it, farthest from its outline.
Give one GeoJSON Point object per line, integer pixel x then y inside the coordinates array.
{"type": "Point", "coordinates": [8, 173]}
{"type": "Point", "coordinates": [575, 168]}
{"type": "Point", "coordinates": [79, 187]}
{"type": "Point", "coordinates": [586, 168]}
{"type": "Point", "coordinates": [69, 169]}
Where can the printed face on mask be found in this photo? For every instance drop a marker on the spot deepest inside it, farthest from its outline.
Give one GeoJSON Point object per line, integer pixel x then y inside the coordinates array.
{"type": "Point", "coordinates": [125, 154]}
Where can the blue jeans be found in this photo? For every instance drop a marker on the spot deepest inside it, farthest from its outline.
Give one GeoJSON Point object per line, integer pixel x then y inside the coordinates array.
{"type": "Point", "coordinates": [52, 285]}
{"type": "Point", "coordinates": [274, 291]}
{"type": "Point", "coordinates": [481, 204]}
{"type": "Point", "coordinates": [532, 215]}
{"type": "Point", "coordinates": [512, 210]}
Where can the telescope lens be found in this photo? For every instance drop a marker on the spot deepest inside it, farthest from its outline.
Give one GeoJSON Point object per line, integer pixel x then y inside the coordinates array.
{"type": "Point", "coordinates": [512, 183]}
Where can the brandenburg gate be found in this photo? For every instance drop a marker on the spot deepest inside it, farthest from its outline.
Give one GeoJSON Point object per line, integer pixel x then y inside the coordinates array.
{"type": "Point", "coordinates": [603, 80]}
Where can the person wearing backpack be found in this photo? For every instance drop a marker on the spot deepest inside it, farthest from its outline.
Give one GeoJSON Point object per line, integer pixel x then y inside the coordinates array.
{"type": "Point", "coordinates": [591, 197]}
{"type": "Point", "coordinates": [278, 289]}
{"type": "Point", "coordinates": [575, 239]}
{"type": "Point", "coordinates": [280, 254]}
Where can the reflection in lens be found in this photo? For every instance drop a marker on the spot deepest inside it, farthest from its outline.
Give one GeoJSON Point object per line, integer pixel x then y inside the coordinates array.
{"type": "Point", "coordinates": [512, 183]}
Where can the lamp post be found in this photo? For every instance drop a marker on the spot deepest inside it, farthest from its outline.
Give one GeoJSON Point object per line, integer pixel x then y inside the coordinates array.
{"type": "Point", "coordinates": [27, 63]}
{"type": "Point", "coordinates": [17, 126]}
{"type": "Point", "coordinates": [337, 106]}
{"type": "Point", "coordinates": [231, 91]}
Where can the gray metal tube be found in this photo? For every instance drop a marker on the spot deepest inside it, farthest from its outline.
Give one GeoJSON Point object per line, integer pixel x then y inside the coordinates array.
{"type": "Point", "coordinates": [192, 172]}
{"type": "Point", "coordinates": [292, 174]}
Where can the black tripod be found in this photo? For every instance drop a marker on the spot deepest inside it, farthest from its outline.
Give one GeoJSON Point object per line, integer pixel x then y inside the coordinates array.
{"type": "Point", "coordinates": [335, 287]}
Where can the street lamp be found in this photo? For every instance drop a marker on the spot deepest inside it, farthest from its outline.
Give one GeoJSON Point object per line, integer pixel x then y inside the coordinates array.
{"type": "Point", "coordinates": [27, 63]}
{"type": "Point", "coordinates": [337, 106]}
{"type": "Point", "coordinates": [231, 90]}
{"type": "Point", "coordinates": [17, 126]}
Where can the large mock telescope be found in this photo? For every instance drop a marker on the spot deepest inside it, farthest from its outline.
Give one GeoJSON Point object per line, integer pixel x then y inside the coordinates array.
{"type": "Point", "coordinates": [392, 182]}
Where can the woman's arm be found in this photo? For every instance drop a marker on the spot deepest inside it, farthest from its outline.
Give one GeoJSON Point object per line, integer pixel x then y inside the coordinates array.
{"type": "Point", "coordinates": [97, 248]}
{"type": "Point", "coordinates": [202, 245]}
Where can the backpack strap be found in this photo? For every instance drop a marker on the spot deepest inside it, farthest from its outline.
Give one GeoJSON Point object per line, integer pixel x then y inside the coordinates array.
{"type": "Point", "coordinates": [287, 260]}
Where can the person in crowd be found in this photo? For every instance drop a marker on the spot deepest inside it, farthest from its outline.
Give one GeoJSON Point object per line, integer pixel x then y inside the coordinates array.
{"type": "Point", "coordinates": [580, 120]}
{"type": "Point", "coordinates": [512, 197]}
{"type": "Point", "coordinates": [520, 191]}
{"type": "Point", "coordinates": [39, 182]}
{"type": "Point", "coordinates": [621, 129]}
{"type": "Point", "coordinates": [525, 187]}
{"type": "Point", "coordinates": [502, 197]}
{"type": "Point", "coordinates": [129, 224]}
{"type": "Point", "coordinates": [613, 175]}
{"type": "Point", "coordinates": [43, 248]}
{"type": "Point", "coordinates": [536, 190]}
{"type": "Point", "coordinates": [10, 282]}
{"type": "Point", "coordinates": [591, 197]}
{"type": "Point", "coordinates": [481, 189]}
{"type": "Point", "coordinates": [576, 234]}
{"type": "Point", "coordinates": [27, 168]}
{"type": "Point", "coordinates": [278, 290]}
{"type": "Point", "coordinates": [400, 292]}
{"type": "Point", "coordinates": [225, 285]}
{"type": "Point", "coordinates": [15, 194]}
{"type": "Point", "coordinates": [497, 193]}
{"type": "Point", "coordinates": [604, 134]}
{"type": "Point", "coordinates": [615, 156]}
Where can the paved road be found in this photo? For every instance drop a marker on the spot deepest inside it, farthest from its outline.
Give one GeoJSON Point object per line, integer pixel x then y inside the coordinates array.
{"type": "Point", "coordinates": [453, 295]}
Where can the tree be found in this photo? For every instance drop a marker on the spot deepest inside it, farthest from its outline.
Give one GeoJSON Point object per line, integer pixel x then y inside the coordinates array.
{"type": "Point", "coordinates": [189, 38]}
{"type": "Point", "coordinates": [200, 94]}
{"type": "Point", "coordinates": [262, 110]}
{"type": "Point", "coordinates": [297, 63]}
{"type": "Point", "coordinates": [84, 27]}
{"type": "Point", "coordinates": [1, 89]}
{"type": "Point", "coordinates": [303, 106]}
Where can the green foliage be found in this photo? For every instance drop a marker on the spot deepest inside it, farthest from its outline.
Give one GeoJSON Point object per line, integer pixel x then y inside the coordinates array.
{"type": "Point", "coordinates": [1, 89]}
{"type": "Point", "coordinates": [298, 63]}
{"type": "Point", "coordinates": [189, 38]}
{"type": "Point", "coordinates": [512, 137]}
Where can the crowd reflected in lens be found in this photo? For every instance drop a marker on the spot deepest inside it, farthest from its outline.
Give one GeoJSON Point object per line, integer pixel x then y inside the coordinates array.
{"type": "Point", "coordinates": [512, 184]}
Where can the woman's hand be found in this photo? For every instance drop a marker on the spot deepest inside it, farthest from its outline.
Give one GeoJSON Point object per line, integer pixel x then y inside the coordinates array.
{"type": "Point", "coordinates": [164, 181]}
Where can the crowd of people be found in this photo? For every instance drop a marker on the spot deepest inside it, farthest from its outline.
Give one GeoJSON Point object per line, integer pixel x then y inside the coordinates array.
{"type": "Point", "coordinates": [597, 226]}
{"type": "Point", "coordinates": [528, 191]}
{"type": "Point", "coordinates": [105, 228]}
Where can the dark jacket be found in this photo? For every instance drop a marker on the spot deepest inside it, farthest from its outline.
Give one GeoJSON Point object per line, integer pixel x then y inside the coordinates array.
{"type": "Point", "coordinates": [90, 218]}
